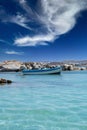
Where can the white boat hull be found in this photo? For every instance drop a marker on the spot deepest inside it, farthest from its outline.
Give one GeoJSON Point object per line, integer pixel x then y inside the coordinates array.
{"type": "Point", "coordinates": [42, 72]}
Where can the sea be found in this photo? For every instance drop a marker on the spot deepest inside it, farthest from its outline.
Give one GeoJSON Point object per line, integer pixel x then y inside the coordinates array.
{"type": "Point", "coordinates": [44, 102]}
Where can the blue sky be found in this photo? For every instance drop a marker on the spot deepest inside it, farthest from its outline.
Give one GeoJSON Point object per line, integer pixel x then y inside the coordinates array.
{"type": "Point", "coordinates": [43, 30]}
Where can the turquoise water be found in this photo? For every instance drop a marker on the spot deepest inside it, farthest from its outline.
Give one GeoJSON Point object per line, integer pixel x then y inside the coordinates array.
{"type": "Point", "coordinates": [47, 102]}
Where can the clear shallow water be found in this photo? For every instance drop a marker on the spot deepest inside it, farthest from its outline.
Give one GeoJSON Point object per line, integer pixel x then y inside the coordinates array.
{"type": "Point", "coordinates": [47, 102]}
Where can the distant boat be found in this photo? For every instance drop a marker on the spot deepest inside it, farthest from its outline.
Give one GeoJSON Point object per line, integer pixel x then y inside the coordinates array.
{"type": "Point", "coordinates": [56, 70]}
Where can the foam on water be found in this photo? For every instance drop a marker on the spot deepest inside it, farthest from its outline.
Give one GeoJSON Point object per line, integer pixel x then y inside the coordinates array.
{"type": "Point", "coordinates": [48, 102]}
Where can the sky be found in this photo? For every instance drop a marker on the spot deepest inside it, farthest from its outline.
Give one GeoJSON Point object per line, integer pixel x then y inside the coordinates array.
{"type": "Point", "coordinates": [43, 30]}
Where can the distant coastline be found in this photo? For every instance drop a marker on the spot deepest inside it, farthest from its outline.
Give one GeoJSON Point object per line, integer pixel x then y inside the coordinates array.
{"type": "Point", "coordinates": [15, 66]}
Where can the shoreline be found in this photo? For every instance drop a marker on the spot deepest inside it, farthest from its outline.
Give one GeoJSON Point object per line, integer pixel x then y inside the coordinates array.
{"type": "Point", "coordinates": [17, 66]}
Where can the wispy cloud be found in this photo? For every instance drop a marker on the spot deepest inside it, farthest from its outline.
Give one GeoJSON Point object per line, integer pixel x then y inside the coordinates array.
{"type": "Point", "coordinates": [17, 18]}
{"type": "Point", "coordinates": [24, 5]}
{"type": "Point", "coordinates": [13, 52]}
{"type": "Point", "coordinates": [58, 17]}
{"type": "Point", "coordinates": [3, 41]}
{"type": "Point", "coordinates": [33, 41]}
{"type": "Point", "coordinates": [20, 20]}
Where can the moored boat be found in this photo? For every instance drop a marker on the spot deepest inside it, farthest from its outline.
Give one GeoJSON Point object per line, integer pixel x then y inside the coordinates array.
{"type": "Point", "coordinates": [56, 70]}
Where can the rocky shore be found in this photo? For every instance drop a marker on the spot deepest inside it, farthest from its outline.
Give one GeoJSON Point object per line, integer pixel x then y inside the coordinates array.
{"type": "Point", "coordinates": [4, 81]}
{"type": "Point", "coordinates": [15, 66]}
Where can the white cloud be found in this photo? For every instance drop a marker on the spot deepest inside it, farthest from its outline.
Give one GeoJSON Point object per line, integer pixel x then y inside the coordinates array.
{"type": "Point", "coordinates": [58, 17]}
{"type": "Point", "coordinates": [13, 52]}
{"type": "Point", "coordinates": [24, 5]}
{"type": "Point", "coordinates": [17, 18]}
{"type": "Point", "coordinates": [20, 20]}
{"type": "Point", "coordinates": [33, 41]}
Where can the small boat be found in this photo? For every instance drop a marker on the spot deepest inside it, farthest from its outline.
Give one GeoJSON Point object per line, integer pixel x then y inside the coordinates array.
{"type": "Point", "coordinates": [56, 70]}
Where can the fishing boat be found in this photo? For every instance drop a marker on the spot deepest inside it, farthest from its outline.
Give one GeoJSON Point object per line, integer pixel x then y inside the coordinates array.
{"type": "Point", "coordinates": [55, 70]}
